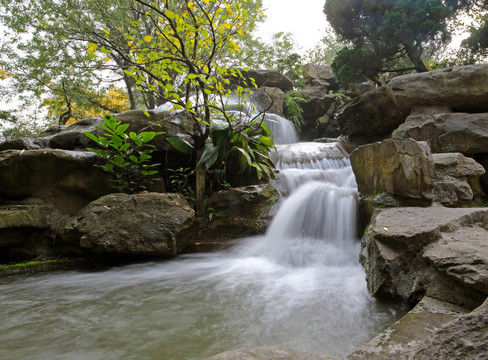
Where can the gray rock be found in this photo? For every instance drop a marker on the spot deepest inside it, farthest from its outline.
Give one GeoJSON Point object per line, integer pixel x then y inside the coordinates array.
{"type": "Point", "coordinates": [234, 214]}
{"type": "Point", "coordinates": [448, 132]}
{"type": "Point", "coordinates": [409, 333]}
{"type": "Point", "coordinates": [397, 262]}
{"type": "Point", "coordinates": [456, 179]}
{"type": "Point", "coordinates": [268, 353]}
{"type": "Point", "coordinates": [462, 88]}
{"type": "Point", "coordinates": [317, 103]}
{"type": "Point", "coordinates": [463, 338]}
{"type": "Point", "coordinates": [269, 99]}
{"type": "Point", "coordinates": [397, 167]}
{"type": "Point", "coordinates": [22, 144]}
{"type": "Point", "coordinates": [271, 78]}
{"type": "Point", "coordinates": [150, 224]}
{"type": "Point", "coordinates": [463, 256]}
{"type": "Point", "coordinates": [373, 115]}
{"type": "Point", "coordinates": [67, 179]}
{"type": "Point", "coordinates": [31, 230]}
{"type": "Point", "coordinates": [321, 76]}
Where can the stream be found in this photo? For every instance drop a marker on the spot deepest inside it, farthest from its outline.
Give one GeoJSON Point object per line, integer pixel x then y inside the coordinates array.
{"type": "Point", "coordinates": [298, 286]}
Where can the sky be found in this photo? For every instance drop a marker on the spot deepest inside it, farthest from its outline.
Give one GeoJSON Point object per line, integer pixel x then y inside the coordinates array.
{"type": "Point", "coordinates": [305, 19]}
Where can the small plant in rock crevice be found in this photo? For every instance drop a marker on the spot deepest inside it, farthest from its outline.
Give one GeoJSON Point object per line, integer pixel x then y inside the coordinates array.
{"type": "Point", "coordinates": [127, 156]}
{"type": "Point", "coordinates": [293, 110]}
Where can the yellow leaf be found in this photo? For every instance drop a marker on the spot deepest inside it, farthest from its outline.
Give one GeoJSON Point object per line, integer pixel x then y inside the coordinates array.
{"type": "Point", "coordinates": [106, 58]}
{"type": "Point", "coordinates": [147, 38]}
{"type": "Point", "coordinates": [92, 49]}
{"type": "Point", "coordinates": [191, 5]}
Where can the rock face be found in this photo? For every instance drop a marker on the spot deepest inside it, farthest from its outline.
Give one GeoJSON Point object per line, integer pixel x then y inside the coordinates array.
{"type": "Point", "coordinates": [374, 115]}
{"type": "Point", "coordinates": [31, 230]}
{"type": "Point", "coordinates": [269, 99]}
{"type": "Point", "coordinates": [236, 213]}
{"type": "Point", "coordinates": [448, 132]}
{"type": "Point", "coordinates": [437, 251]}
{"type": "Point", "coordinates": [67, 179]}
{"type": "Point", "coordinates": [456, 179]}
{"type": "Point", "coordinates": [271, 78]}
{"type": "Point", "coordinates": [317, 103]}
{"type": "Point", "coordinates": [462, 88]}
{"type": "Point", "coordinates": [463, 338]}
{"type": "Point", "coordinates": [319, 77]}
{"type": "Point", "coordinates": [402, 168]}
{"type": "Point", "coordinates": [150, 224]}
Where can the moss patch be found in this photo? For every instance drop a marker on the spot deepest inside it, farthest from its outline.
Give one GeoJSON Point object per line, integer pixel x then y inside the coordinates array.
{"type": "Point", "coordinates": [35, 266]}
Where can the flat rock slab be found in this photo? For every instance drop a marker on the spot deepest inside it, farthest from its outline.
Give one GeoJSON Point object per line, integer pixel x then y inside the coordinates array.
{"type": "Point", "coordinates": [463, 255]}
{"type": "Point", "coordinates": [268, 353]}
{"type": "Point", "coordinates": [438, 251]}
{"type": "Point", "coordinates": [408, 333]}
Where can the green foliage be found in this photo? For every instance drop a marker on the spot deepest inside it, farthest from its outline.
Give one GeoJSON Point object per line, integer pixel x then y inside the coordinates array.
{"type": "Point", "coordinates": [127, 157]}
{"type": "Point", "coordinates": [236, 155]}
{"type": "Point", "coordinates": [181, 183]}
{"type": "Point", "coordinates": [213, 214]}
{"type": "Point", "coordinates": [293, 110]}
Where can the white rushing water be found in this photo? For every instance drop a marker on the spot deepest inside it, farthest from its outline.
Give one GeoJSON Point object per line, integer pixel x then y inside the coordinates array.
{"type": "Point", "coordinates": [299, 286]}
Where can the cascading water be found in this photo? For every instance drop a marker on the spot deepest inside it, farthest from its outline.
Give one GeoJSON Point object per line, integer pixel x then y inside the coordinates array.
{"type": "Point", "coordinates": [299, 286]}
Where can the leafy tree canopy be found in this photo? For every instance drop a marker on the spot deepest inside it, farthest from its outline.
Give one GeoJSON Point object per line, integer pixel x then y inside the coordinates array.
{"type": "Point", "coordinates": [382, 31]}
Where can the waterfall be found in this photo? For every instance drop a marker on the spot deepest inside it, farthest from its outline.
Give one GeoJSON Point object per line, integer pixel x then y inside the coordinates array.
{"type": "Point", "coordinates": [299, 286]}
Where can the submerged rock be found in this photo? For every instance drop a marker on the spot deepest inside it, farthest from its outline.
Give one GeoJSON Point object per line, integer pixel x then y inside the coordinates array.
{"type": "Point", "coordinates": [152, 224]}
{"type": "Point", "coordinates": [409, 333]}
{"type": "Point", "coordinates": [269, 353]}
{"type": "Point", "coordinates": [463, 338]}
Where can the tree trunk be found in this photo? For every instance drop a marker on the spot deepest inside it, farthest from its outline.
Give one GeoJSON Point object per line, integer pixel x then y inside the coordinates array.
{"type": "Point", "coordinates": [200, 186]}
{"type": "Point", "coordinates": [414, 56]}
{"type": "Point", "coordinates": [130, 93]}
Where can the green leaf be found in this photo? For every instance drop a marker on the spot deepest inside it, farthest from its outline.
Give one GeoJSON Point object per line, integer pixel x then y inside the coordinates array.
{"type": "Point", "coordinates": [266, 141]}
{"type": "Point", "coordinates": [209, 157]}
{"type": "Point", "coordinates": [43, 23]}
{"type": "Point", "coordinates": [244, 156]}
{"type": "Point", "coordinates": [147, 136]}
{"type": "Point", "coordinates": [122, 128]}
{"type": "Point", "coordinates": [146, 113]}
{"type": "Point", "coordinates": [134, 159]}
{"type": "Point", "coordinates": [181, 145]}
{"type": "Point", "coordinates": [91, 136]}
{"type": "Point", "coordinates": [102, 140]}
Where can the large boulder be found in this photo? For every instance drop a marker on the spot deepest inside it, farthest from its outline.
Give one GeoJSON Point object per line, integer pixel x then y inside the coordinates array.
{"type": "Point", "coordinates": [398, 167]}
{"type": "Point", "coordinates": [30, 230]}
{"type": "Point", "coordinates": [372, 116]}
{"type": "Point", "coordinates": [456, 179]}
{"type": "Point", "coordinates": [319, 76]}
{"type": "Point", "coordinates": [151, 224]}
{"type": "Point", "coordinates": [268, 99]}
{"type": "Point", "coordinates": [317, 103]}
{"type": "Point", "coordinates": [462, 88]}
{"type": "Point", "coordinates": [463, 338]}
{"type": "Point", "coordinates": [448, 132]}
{"type": "Point", "coordinates": [437, 251]}
{"type": "Point", "coordinates": [236, 213]}
{"type": "Point", "coordinates": [67, 179]}
{"type": "Point", "coordinates": [270, 78]}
